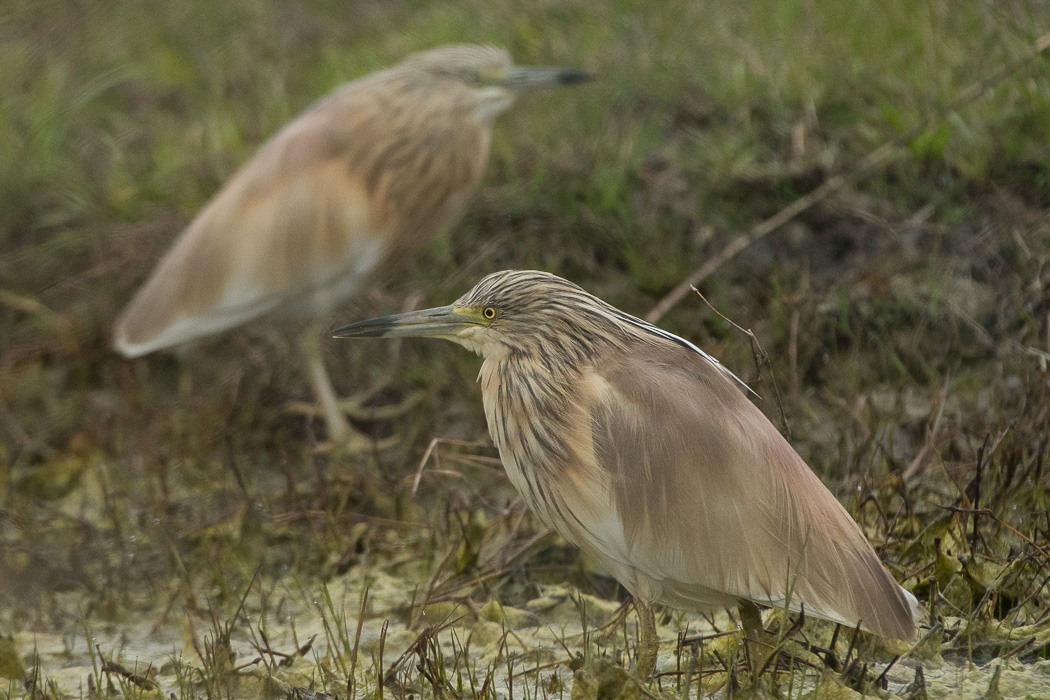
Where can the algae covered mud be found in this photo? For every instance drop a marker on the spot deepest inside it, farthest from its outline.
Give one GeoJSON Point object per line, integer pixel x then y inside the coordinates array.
{"type": "Point", "coordinates": [324, 648]}
{"type": "Point", "coordinates": [466, 602]}
{"type": "Point", "coordinates": [178, 526]}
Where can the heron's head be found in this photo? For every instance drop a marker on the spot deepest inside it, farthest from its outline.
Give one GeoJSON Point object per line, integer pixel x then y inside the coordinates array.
{"type": "Point", "coordinates": [484, 76]}
{"type": "Point", "coordinates": [514, 311]}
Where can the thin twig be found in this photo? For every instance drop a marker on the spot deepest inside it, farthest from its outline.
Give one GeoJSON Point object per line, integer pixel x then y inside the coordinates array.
{"type": "Point", "coordinates": [760, 357]}
{"type": "Point", "coordinates": [764, 228]}
{"type": "Point", "coordinates": [988, 512]}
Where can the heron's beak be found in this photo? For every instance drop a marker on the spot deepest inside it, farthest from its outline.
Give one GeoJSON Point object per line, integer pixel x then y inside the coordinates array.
{"type": "Point", "coordinates": [524, 78]}
{"type": "Point", "coordinates": [442, 322]}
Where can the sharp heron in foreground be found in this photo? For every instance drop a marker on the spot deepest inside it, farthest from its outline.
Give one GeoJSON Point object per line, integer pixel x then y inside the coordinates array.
{"type": "Point", "coordinates": [642, 450]}
{"type": "Point", "coordinates": [335, 200]}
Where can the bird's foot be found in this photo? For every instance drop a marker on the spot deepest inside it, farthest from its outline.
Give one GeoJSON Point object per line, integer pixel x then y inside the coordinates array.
{"type": "Point", "coordinates": [356, 408]}
{"type": "Point", "coordinates": [357, 443]}
{"type": "Point", "coordinates": [343, 437]}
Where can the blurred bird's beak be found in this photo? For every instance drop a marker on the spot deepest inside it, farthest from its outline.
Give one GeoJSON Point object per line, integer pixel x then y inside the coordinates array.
{"type": "Point", "coordinates": [442, 322]}
{"type": "Point", "coordinates": [524, 78]}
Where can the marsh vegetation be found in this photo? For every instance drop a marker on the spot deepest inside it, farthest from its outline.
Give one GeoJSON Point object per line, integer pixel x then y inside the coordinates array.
{"type": "Point", "coordinates": [169, 528]}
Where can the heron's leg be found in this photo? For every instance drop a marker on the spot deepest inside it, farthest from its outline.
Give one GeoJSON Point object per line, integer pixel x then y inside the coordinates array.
{"type": "Point", "coordinates": [338, 427]}
{"type": "Point", "coordinates": [333, 407]}
{"type": "Point", "coordinates": [342, 436]}
{"type": "Point", "coordinates": [751, 620]}
{"type": "Point", "coordinates": [648, 641]}
{"type": "Point", "coordinates": [356, 406]}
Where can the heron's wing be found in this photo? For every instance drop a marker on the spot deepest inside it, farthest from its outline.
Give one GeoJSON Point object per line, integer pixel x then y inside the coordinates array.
{"type": "Point", "coordinates": [697, 495]}
{"type": "Point", "coordinates": [350, 184]}
{"type": "Point", "coordinates": [288, 221]}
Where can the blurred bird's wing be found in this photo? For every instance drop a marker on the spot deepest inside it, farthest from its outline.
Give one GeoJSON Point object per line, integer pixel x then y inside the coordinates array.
{"type": "Point", "coordinates": [693, 498]}
{"type": "Point", "coordinates": [291, 221]}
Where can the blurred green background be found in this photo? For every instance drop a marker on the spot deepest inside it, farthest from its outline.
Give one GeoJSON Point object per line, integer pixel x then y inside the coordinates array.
{"type": "Point", "coordinates": [907, 317]}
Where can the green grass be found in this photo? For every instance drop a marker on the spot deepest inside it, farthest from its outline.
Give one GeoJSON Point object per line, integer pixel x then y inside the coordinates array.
{"type": "Point", "coordinates": [172, 506]}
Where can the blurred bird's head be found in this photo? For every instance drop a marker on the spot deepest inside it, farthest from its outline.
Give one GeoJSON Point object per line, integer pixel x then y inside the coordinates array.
{"type": "Point", "coordinates": [483, 77]}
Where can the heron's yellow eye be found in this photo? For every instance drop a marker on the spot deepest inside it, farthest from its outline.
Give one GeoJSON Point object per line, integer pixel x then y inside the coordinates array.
{"type": "Point", "coordinates": [489, 313]}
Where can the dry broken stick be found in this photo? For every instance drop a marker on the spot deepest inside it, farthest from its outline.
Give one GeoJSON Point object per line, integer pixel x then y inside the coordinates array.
{"type": "Point", "coordinates": [758, 355]}
{"type": "Point", "coordinates": [881, 155]}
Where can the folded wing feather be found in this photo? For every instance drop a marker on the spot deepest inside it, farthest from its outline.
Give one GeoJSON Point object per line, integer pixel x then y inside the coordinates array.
{"type": "Point", "coordinates": [288, 224]}
{"type": "Point", "coordinates": [702, 502]}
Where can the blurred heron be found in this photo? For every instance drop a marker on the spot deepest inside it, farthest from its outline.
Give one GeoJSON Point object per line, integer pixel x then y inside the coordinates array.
{"type": "Point", "coordinates": [336, 200]}
{"type": "Point", "coordinates": [642, 450]}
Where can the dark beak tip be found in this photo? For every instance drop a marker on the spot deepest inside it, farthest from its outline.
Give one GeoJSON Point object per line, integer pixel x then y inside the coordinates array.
{"type": "Point", "coordinates": [575, 77]}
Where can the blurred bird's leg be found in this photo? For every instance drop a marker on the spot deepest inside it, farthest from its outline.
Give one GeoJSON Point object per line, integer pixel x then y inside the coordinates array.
{"type": "Point", "coordinates": [357, 407]}
{"type": "Point", "coordinates": [648, 641]}
{"type": "Point", "coordinates": [341, 434]}
{"type": "Point", "coordinates": [338, 428]}
{"type": "Point", "coordinates": [334, 409]}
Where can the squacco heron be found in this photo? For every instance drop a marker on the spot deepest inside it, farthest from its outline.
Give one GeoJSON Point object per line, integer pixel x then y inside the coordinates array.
{"type": "Point", "coordinates": [642, 450]}
{"type": "Point", "coordinates": [335, 201]}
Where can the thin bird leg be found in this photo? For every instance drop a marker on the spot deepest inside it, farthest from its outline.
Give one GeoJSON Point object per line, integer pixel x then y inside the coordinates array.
{"type": "Point", "coordinates": [357, 407]}
{"type": "Point", "coordinates": [751, 620]}
{"type": "Point", "coordinates": [648, 641]}
{"type": "Point", "coordinates": [341, 435]}
{"type": "Point", "coordinates": [339, 429]}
